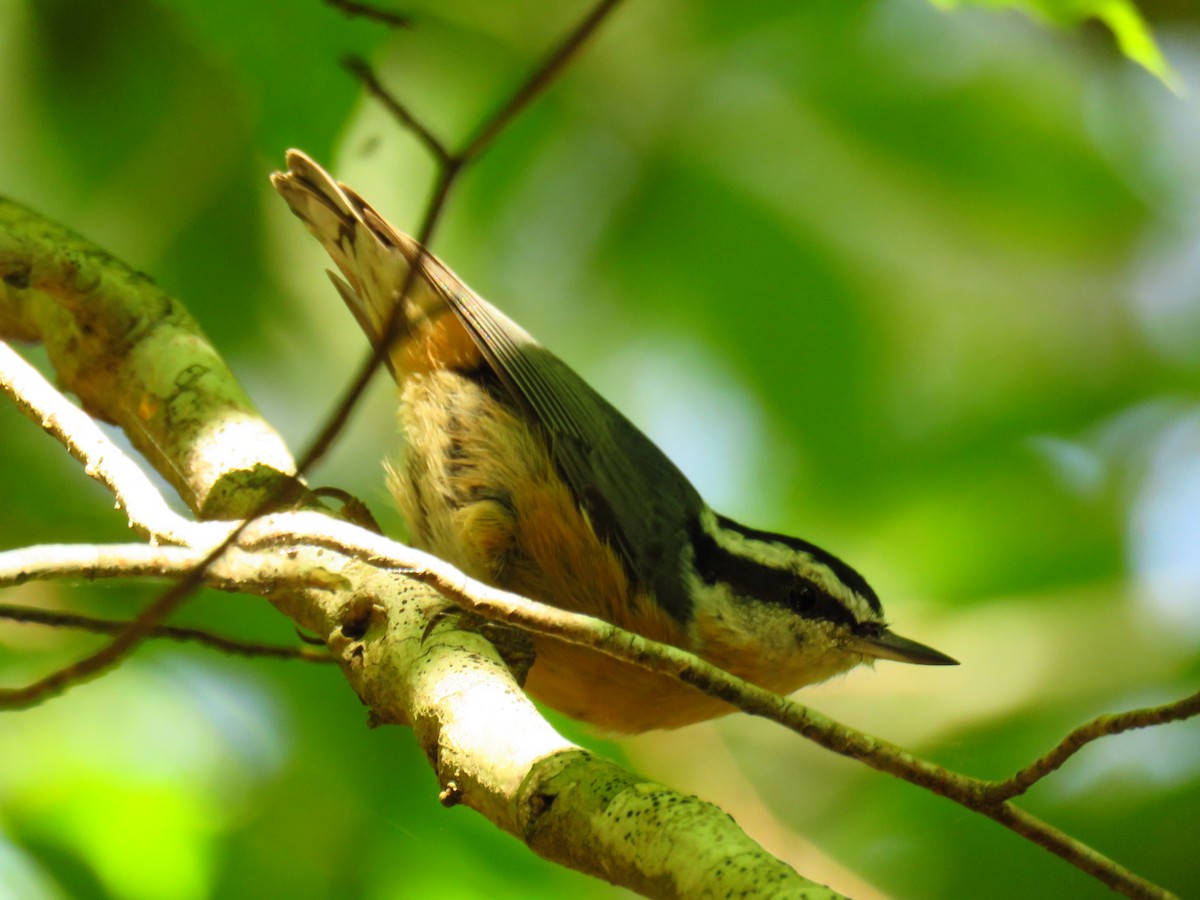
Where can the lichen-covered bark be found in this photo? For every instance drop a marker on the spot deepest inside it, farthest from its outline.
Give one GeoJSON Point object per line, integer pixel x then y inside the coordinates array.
{"type": "Point", "coordinates": [135, 357]}
{"type": "Point", "coordinates": [494, 752]}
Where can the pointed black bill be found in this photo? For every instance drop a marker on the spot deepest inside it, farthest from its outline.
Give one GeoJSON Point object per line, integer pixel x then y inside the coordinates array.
{"type": "Point", "coordinates": [891, 646]}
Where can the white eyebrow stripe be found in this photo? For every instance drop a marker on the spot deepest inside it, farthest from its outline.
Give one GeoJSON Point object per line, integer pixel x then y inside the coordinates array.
{"type": "Point", "coordinates": [786, 558]}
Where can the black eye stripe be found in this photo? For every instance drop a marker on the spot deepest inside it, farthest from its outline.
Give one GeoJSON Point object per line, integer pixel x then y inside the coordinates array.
{"type": "Point", "coordinates": [811, 602]}
{"type": "Point", "coordinates": [717, 565]}
{"type": "Point", "coordinates": [844, 573]}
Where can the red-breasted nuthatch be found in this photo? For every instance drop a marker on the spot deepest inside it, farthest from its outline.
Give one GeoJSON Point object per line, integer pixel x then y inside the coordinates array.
{"type": "Point", "coordinates": [520, 474]}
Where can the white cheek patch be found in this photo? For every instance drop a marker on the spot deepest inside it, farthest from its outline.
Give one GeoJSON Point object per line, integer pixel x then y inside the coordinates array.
{"type": "Point", "coordinates": [765, 643]}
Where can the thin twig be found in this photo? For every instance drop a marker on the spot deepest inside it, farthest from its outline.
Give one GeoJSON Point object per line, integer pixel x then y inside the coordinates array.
{"type": "Point", "coordinates": [1077, 853]}
{"type": "Point", "coordinates": [543, 76]}
{"type": "Point", "coordinates": [111, 653]}
{"type": "Point", "coordinates": [359, 68]}
{"type": "Point", "coordinates": [450, 167]}
{"type": "Point", "coordinates": [374, 13]}
{"type": "Point", "coordinates": [58, 619]}
{"type": "Point", "coordinates": [1101, 726]}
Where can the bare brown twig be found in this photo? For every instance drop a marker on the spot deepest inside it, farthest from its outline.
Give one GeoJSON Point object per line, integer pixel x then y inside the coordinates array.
{"type": "Point", "coordinates": [360, 69]}
{"type": "Point", "coordinates": [543, 76]}
{"type": "Point", "coordinates": [111, 653]}
{"type": "Point", "coordinates": [80, 622]}
{"type": "Point", "coordinates": [374, 13]}
{"type": "Point", "coordinates": [1101, 726]}
{"type": "Point", "coordinates": [125, 641]}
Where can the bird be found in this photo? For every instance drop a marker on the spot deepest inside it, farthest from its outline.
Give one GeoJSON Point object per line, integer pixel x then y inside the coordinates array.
{"type": "Point", "coordinates": [521, 475]}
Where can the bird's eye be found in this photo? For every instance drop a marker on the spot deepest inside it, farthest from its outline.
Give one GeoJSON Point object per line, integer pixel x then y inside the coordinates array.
{"type": "Point", "coordinates": [807, 599]}
{"type": "Point", "coordinates": [801, 597]}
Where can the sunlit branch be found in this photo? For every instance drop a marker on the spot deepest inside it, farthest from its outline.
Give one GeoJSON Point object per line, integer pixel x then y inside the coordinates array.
{"type": "Point", "coordinates": [299, 528]}
{"type": "Point", "coordinates": [135, 357]}
{"type": "Point", "coordinates": [144, 506]}
{"type": "Point", "coordinates": [92, 561]}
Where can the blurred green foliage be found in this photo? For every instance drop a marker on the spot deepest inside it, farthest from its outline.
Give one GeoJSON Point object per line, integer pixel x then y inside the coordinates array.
{"type": "Point", "coordinates": [1122, 17]}
{"type": "Point", "coordinates": [920, 286]}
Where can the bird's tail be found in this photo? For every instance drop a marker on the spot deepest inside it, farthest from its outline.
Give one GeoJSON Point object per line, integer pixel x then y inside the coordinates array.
{"type": "Point", "coordinates": [374, 260]}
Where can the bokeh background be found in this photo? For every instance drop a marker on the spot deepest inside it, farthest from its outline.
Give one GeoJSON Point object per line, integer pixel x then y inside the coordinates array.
{"type": "Point", "coordinates": [921, 286]}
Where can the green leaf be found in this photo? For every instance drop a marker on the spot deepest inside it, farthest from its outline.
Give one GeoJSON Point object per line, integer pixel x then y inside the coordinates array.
{"type": "Point", "coordinates": [1122, 17]}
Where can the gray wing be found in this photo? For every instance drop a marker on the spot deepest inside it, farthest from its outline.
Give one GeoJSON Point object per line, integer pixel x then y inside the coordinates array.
{"type": "Point", "coordinates": [635, 497]}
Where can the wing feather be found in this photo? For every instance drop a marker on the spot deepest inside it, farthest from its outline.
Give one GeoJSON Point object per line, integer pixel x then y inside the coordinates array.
{"type": "Point", "coordinates": [633, 495]}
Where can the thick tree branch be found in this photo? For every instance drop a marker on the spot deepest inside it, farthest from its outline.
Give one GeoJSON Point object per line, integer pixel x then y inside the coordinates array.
{"type": "Point", "coordinates": [148, 514]}
{"type": "Point", "coordinates": [134, 356]}
{"type": "Point", "coordinates": [493, 751]}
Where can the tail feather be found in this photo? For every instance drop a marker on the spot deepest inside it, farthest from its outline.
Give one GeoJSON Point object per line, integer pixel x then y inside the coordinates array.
{"type": "Point", "coordinates": [373, 259]}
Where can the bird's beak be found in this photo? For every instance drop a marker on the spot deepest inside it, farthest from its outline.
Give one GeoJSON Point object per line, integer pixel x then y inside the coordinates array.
{"type": "Point", "coordinates": [891, 646]}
